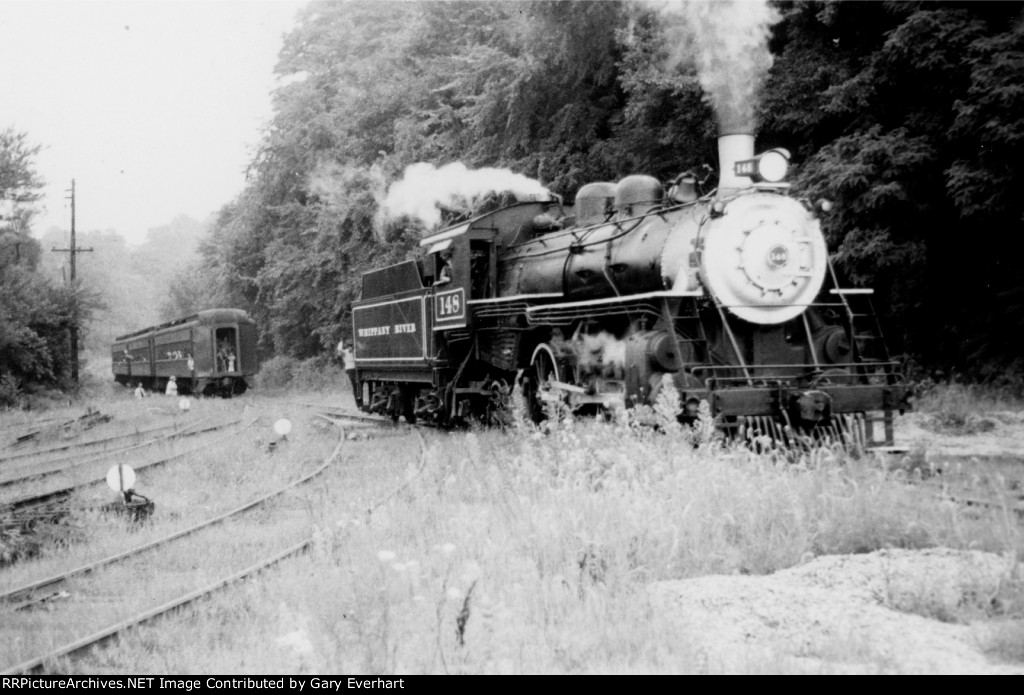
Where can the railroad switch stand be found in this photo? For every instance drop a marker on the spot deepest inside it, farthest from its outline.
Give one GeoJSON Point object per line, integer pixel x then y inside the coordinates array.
{"type": "Point", "coordinates": [133, 505]}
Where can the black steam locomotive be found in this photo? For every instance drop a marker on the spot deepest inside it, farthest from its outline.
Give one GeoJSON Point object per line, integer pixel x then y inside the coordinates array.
{"type": "Point", "coordinates": [210, 353]}
{"type": "Point", "coordinates": [729, 296]}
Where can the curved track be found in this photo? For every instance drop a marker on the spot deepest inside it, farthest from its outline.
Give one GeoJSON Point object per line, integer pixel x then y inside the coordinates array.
{"type": "Point", "coordinates": [26, 471]}
{"type": "Point", "coordinates": [36, 499]}
{"type": "Point", "coordinates": [26, 596]}
{"type": "Point", "coordinates": [78, 446]}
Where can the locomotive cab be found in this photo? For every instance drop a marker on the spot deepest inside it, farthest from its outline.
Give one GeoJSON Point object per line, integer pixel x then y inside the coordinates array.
{"type": "Point", "coordinates": [464, 266]}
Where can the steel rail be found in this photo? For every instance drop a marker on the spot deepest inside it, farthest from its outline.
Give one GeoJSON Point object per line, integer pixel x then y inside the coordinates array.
{"type": "Point", "coordinates": [90, 458]}
{"type": "Point", "coordinates": [339, 411]}
{"type": "Point", "coordinates": [106, 633]}
{"type": "Point", "coordinates": [87, 458]}
{"type": "Point", "coordinates": [24, 593]}
{"type": "Point", "coordinates": [34, 423]}
{"type": "Point", "coordinates": [31, 500]}
{"type": "Point", "coordinates": [41, 452]}
{"type": "Point", "coordinates": [945, 490]}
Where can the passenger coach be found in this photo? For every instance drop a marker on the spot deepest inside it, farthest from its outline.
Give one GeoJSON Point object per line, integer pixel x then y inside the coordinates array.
{"type": "Point", "coordinates": [210, 353]}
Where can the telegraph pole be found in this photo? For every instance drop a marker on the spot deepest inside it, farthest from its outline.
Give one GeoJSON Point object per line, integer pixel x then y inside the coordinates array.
{"type": "Point", "coordinates": [74, 316]}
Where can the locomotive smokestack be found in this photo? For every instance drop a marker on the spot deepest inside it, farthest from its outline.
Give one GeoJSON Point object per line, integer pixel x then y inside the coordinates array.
{"type": "Point", "coordinates": [733, 148]}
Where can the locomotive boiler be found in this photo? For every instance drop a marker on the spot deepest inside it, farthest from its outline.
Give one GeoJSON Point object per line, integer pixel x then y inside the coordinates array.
{"type": "Point", "coordinates": [729, 296]}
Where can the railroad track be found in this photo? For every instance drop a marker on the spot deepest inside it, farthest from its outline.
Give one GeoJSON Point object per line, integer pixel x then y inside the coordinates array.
{"type": "Point", "coordinates": [32, 594]}
{"type": "Point", "coordinates": [27, 425]}
{"type": "Point", "coordinates": [35, 505]}
{"type": "Point", "coordinates": [30, 470]}
{"type": "Point", "coordinates": [1006, 500]}
{"type": "Point", "coordinates": [975, 488]}
{"type": "Point", "coordinates": [90, 419]}
{"type": "Point", "coordinates": [6, 461]}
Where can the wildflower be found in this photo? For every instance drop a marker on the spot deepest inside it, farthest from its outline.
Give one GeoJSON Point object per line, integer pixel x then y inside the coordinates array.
{"type": "Point", "coordinates": [386, 556]}
{"type": "Point", "coordinates": [470, 573]}
{"type": "Point", "coordinates": [448, 548]}
{"type": "Point", "coordinates": [298, 641]}
{"type": "Point", "coordinates": [453, 593]}
{"type": "Point", "coordinates": [413, 569]}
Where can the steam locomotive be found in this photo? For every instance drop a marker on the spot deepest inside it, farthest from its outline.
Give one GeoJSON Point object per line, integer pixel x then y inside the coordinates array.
{"type": "Point", "coordinates": [211, 353]}
{"type": "Point", "coordinates": [729, 296]}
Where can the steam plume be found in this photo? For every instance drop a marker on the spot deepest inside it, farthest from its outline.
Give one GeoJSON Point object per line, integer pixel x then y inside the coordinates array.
{"type": "Point", "coordinates": [727, 41]}
{"type": "Point", "coordinates": [424, 188]}
{"type": "Point", "coordinates": [603, 349]}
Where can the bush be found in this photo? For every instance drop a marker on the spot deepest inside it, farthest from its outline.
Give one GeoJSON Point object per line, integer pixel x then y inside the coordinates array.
{"type": "Point", "coordinates": [10, 391]}
{"type": "Point", "coordinates": [314, 374]}
{"type": "Point", "coordinates": [276, 373]}
{"type": "Point", "coordinates": [317, 373]}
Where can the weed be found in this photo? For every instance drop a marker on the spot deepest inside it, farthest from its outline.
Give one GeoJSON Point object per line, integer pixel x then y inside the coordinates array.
{"type": "Point", "coordinates": [1005, 641]}
{"type": "Point", "coordinates": [962, 409]}
{"type": "Point", "coordinates": [463, 616]}
{"type": "Point", "coordinates": [10, 391]}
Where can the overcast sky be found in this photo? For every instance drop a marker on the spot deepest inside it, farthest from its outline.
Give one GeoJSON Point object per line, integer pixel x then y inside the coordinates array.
{"type": "Point", "coordinates": [154, 107]}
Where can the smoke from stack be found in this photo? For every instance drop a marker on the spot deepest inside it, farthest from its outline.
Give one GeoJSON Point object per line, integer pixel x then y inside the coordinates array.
{"type": "Point", "coordinates": [727, 42]}
{"type": "Point", "coordinates": [424, 189]}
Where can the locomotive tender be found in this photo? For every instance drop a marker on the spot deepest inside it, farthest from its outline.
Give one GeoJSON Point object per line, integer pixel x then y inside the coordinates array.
{"type": "Point", "coordinates": [210, 353]}
{"type": "Point", "coordinates": [731, 296]}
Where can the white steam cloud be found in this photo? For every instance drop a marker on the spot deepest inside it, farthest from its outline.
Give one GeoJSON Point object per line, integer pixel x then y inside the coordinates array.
{"type": "Point", "coordinates": [424, 189]}
{"type": "Point", "coordinates": [601, 352]}
{"type": "Point", "coordinates": [727, 41]}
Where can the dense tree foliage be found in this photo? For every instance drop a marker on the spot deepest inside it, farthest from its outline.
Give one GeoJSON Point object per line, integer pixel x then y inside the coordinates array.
{"type": "Point", "coordinates": [38, 304]}
{"type": "Point", "coordinates": [909, 115]}
{"type": "Point", "coordinates": [34, 314]}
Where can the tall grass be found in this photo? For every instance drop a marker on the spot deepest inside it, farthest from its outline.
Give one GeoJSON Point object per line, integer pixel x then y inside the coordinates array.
{"type": "Point", "coordinates": [532, 550]}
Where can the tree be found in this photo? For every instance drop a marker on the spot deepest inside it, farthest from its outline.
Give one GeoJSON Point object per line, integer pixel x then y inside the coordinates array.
{"type": "Point", "coordinates": [908, 116]}
{"type": "Point", "coordinates": [34, 315]}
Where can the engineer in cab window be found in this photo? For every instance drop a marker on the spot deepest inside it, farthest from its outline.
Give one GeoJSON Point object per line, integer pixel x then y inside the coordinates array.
{"type": "Point", "coordinates": [445, 276]}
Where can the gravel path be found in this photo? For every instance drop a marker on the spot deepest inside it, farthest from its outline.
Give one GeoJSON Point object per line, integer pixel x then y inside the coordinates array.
{"type": "Point", "coordinates": [891, 611]}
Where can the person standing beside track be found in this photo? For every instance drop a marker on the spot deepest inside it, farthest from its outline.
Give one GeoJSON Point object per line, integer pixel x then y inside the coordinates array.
{"type": "Point", "coordinates": [346, 354]}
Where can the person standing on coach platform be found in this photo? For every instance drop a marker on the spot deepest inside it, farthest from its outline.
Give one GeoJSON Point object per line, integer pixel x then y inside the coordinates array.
{"type": "Point", "coordinates": [349, 358]}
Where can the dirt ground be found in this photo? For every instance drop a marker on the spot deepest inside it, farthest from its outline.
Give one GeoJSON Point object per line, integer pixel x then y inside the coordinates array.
{"type": "Point", "coordinates": [884, 612]}
{"type": "Point", "coordinates": [891, 611]}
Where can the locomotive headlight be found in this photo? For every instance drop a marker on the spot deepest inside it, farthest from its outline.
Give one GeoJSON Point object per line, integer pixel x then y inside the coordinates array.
{"type": "Point", "coordinates": [773, 165]}
{"type": "Point", "coordinates": [770, 166]}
